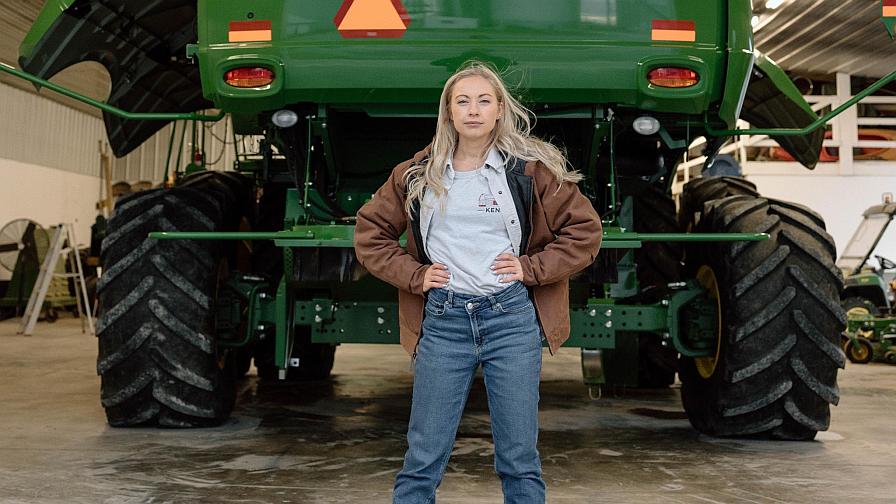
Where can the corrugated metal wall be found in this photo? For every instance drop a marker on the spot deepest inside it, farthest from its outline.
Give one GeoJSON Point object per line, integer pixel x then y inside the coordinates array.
{"type": "Point", "coordinates": [40, 131]}
{"type": "Point", "coordinates": [147, 162]}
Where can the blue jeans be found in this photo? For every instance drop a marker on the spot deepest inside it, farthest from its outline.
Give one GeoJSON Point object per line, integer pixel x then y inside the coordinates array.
{"type": "Point", "coordinates": [460, 332]}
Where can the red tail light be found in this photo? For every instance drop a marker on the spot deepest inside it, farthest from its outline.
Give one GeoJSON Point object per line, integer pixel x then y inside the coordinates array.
{"type": "Point", "coordinates": [673, 77]}
{"type": "Point", "coordinates": [249, 77]}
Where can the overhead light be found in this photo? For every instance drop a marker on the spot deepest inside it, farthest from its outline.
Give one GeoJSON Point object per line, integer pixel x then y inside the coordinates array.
{"type": "Point", "coordinates": [754, 21]}
{"type": "Point", "coordinates": [773, 4]}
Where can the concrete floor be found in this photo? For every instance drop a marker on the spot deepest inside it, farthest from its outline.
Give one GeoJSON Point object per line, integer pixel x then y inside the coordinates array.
{"type": "Point", "coordinates": [343, 440]}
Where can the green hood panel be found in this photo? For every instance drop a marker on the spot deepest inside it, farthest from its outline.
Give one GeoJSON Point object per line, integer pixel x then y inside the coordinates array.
{"type": "Point", "coordinates": [142, 45]}
{"type": "Point", "coordinates": [772, 101]}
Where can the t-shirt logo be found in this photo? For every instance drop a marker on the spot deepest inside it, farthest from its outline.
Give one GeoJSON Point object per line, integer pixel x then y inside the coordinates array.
{"type": "Point", "coordinates": [488, 204]}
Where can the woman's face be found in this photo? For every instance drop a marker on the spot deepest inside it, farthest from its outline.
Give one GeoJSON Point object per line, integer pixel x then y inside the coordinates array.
{"type": "Point", "coordinates": [473, 108]}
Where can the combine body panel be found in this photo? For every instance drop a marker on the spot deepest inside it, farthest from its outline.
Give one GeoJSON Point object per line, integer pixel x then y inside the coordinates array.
{"type": "Point", "coordinates": [687, 292]}
{"type": "Point", "coordinates": [564, 54]}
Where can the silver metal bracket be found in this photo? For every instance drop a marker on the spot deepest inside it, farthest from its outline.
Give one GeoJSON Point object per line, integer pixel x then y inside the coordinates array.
{"type": "Point", "coordinates": [593, 367]}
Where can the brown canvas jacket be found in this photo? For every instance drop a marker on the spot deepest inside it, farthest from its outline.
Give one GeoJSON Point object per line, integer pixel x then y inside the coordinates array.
{"type": "Point", "coordinates": [565, 238]}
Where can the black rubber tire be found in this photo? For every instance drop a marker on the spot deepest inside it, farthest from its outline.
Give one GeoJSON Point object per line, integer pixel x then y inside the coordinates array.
{"type": "Point", "coordinates": [158, 360]}
{"type": "Point", "coordinates": [659, 263]}
{"type": "Point", "coordinates": [236, 188]}
{"type": "Point", "coordinates": [776, 373]}
{"type": "Point", "coordinates": [267, 258]}
{"type": "Point", "coordinates": [860, 303]}
{"type": "Point", "coordinates": [657, 363]}
{"type": "Point", "coordinates": [862, 355]}
{"type": "Point", "coordinates": [231, 187]}
{"type": "Point", "coordinates": [700, 191]}
{"type": "Point", "coordinates": [316, 359]}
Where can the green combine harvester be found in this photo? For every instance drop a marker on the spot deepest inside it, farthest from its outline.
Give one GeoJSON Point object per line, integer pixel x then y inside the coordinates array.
{"type": "Point", "coordinates": [737, 293]}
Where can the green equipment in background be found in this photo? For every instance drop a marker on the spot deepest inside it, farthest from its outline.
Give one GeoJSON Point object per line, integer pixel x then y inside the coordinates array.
{"type": "Point", "coordinates": [868, 294]}
{"type": "Point", "coordinates": [870, 338]}
{"type": "Point", "coordinates": [868, 290]}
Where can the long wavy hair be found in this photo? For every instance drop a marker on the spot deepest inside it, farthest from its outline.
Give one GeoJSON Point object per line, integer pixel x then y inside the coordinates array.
{"type": "Point", "coordinates": [511, 135]}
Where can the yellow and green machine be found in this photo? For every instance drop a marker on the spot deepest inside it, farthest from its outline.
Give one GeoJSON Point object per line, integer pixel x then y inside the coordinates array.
{"type": "Point", "coordinates": [737, 293]}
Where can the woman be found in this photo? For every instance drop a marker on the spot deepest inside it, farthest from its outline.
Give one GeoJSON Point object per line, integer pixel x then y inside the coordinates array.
{"type": "Point", "coordinates": [492, 212]}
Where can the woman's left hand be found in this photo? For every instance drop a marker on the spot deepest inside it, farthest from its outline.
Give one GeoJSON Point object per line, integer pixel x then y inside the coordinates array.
{"type": "Point", "coordinates": [509, 266]}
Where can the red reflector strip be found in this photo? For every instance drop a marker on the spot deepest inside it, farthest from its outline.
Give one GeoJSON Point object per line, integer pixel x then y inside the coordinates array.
{"type": "Point", "coordinates": [673, 30]}
{"type": "Point", "coordinates": [250, 31]}
{"type": "Point", "coordinates": [889, 8]}
{"type": "Point", "coordinates": [668, 24]}
{"type": "Point", "coordinates": [249, 25]}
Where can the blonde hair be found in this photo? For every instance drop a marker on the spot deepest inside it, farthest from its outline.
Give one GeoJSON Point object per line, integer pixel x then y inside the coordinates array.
{"type": "Point", "coordinates": [511, 135]}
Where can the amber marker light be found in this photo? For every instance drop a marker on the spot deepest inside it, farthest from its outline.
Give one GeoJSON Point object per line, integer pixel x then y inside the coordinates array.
{"type": "Point", "coordinates": [249, 77]}
{"type": "Point", "coordinates": [673, 77]}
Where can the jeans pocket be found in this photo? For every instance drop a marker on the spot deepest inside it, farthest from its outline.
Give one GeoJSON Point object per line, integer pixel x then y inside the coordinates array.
{"type": "Point", "coordinates": [516, 306]}
{"type": "Point", "coordinates": [436, 308]}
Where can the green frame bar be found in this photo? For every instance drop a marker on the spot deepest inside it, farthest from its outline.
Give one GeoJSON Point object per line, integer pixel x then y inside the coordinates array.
{"type": "Point", "coordinates": [684, 237]}
{"type": "Point", "coordinates": [808, 129]}
{"type": "Point", "coordinates": [336, 235]}
{"type": "Point", "coordinates": [105, 107]}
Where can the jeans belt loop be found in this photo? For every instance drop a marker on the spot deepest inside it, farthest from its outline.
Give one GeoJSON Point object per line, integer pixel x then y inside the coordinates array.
{"type": "Point", "coordinates": [494, 301]}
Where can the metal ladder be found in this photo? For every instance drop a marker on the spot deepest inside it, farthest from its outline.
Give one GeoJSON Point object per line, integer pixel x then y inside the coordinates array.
{"type": "Point", "coordinates": [65, 232]}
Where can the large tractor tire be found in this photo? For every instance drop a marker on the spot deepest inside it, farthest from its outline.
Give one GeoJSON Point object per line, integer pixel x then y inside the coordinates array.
{"type": "Point", "coordinates": [159, 359]}
{"type": "Point", "coordinates": [774, 373]}
{"type": "Point", "coordinates": [699, 191]}
{"type": "Point", "coordinates": [235, 188]}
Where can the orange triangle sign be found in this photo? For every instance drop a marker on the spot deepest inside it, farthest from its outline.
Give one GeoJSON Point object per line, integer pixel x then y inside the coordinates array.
{"type": "Point", "coordinates": [372, 19]}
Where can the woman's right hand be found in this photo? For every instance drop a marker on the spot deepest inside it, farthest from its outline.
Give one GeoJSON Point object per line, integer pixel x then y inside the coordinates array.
{"type": "Point", "coordinates": [436, 276]}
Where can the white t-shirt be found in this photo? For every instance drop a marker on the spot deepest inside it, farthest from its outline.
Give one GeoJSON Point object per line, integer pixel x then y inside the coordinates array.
{"type": "Point", "coordinates": [469, 234]}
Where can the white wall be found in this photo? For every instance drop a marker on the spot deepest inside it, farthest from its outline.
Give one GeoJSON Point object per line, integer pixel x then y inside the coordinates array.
{"type": "Point", "coordinates": [48, 196]}
{"type": "Point", "coordinates": [839, 199]}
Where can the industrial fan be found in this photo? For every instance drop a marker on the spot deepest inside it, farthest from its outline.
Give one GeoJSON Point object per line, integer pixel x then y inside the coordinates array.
{"type": "Point", "coordinates": [23, 244]}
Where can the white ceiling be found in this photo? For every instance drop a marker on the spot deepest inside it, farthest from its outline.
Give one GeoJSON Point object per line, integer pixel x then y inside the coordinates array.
{"type": "Point", "coordinates": [807, 37]}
